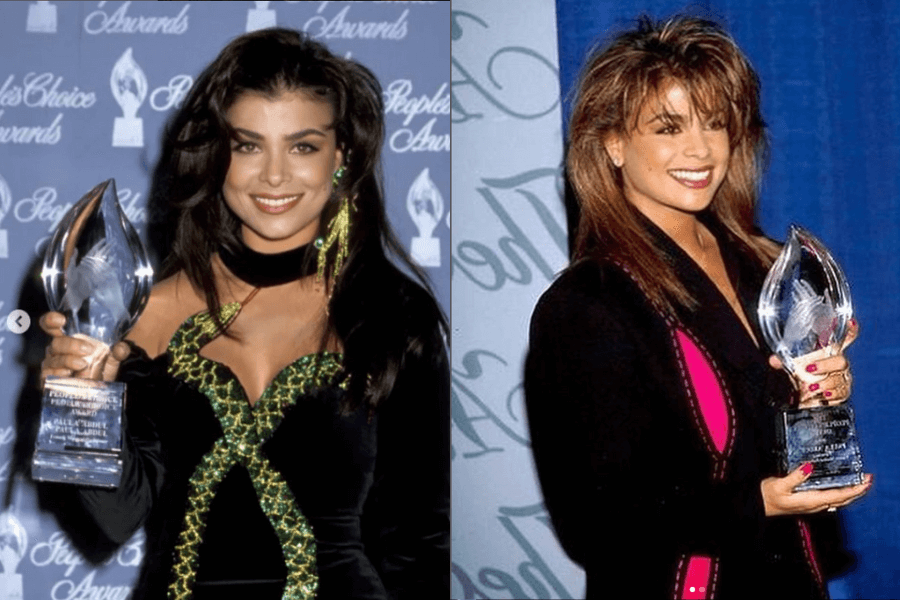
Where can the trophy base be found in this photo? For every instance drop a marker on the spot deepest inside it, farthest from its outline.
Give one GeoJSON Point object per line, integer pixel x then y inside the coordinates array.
{"type": "Point", "coordinates": [80, 435]}
{"type": "Point", "coordinates": [11, 586]}
{"type": "Point", "coordinates": [260, 19]}
{"type": "Point", "coordinates": [426, 251]}
{"type": "Point", "coordinates": [826, 437]}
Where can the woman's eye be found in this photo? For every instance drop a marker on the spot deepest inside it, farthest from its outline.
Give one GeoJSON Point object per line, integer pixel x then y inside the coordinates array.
{"type": "Point", "coordinates": [304, 148]}
{"type": "Point", "coordinates": [243, 147]}
{"type": "Point", "coordinates": [668, 130]}
{"type": "Point", "coordinates": [716, 125]}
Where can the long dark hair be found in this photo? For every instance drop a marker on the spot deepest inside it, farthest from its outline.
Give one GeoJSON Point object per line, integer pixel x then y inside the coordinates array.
{"type": "Point", "coordinates": [369, 294]}
{"type": "Point", "coordinates": [636, 67]}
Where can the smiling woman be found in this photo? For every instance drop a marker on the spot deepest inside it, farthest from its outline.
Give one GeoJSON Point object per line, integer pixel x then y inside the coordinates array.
{"type": "Point", "coordinates": [283, 159]}
{"type": "Point", "coordinates": [288, 410]}
{"type": "Point", "coordinates": [650, 402]}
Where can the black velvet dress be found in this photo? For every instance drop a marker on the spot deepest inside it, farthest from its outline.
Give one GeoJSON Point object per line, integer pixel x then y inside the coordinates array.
{"type": "Point", "coordinates": [651, 436]}
{"type": "Point", "coordinates": [289, 494]}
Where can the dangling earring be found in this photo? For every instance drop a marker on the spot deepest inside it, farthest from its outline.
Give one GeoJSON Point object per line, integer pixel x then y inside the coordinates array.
{"type": "Point", "coordinates": [338, 230]}
{"type": "Point", "coordinates": [336, 177]}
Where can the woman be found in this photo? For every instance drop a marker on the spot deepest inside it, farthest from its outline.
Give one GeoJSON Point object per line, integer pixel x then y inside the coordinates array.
{"type": "Point", "coordinates": [650, 397]}
{"type": "Point", "coordinates": [288, 409]}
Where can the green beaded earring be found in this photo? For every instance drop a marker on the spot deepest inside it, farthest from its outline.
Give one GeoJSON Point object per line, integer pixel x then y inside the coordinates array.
{"type": "Point", "coordinates": [338, 231]}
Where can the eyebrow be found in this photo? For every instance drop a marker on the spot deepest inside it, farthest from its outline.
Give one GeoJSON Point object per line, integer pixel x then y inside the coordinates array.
{"type": "Point", "coordinates": [667, 118]}
{"type": "Point", "coordinates": [290, 137]}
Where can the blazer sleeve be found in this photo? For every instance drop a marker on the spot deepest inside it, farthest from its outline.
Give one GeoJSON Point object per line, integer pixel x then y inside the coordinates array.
{"type": "Point", "coordinates": [118, 513]}
{"type": "Point", "coordinates": [406, 518]}
{"type": "Point", "coordinates": [624, 486]}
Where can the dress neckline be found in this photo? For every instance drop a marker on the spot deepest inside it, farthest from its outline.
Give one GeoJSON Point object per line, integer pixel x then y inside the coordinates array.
{"type": "Point", "coordinates": [319, 368]}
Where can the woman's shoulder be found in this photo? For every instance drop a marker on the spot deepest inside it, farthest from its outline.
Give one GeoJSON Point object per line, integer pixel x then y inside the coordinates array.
{"type": "Point", "coordinates": [589, 282]}
{"type": "Point", "coordinates": [171, 301]}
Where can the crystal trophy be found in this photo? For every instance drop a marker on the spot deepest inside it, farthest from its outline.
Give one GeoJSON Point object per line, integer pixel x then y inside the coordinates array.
{"type": "Point", "coordinates": [96, 272]}
{"type": "Point", "coordinates": [804, 313]}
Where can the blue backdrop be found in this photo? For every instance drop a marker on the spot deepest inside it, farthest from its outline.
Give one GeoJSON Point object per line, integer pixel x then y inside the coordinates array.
{"type": "Point", "coordinates": [66, 125]}
{"type": "Point", "coordinates": [831, 98]}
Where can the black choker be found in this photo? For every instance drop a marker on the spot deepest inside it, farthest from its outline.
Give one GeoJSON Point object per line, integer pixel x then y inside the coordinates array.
{"type": "Point", "coordinates": [265, 270]}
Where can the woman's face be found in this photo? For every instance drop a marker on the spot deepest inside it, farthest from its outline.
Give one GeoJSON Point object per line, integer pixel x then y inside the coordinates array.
{"type": "Point", "coordinates": [674, 161]}
{"type": "Point", "coordinates": [282, 161]}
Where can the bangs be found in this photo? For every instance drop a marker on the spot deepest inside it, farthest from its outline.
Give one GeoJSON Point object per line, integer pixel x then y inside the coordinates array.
{"type": "Point", "coordinates": [709, 96]}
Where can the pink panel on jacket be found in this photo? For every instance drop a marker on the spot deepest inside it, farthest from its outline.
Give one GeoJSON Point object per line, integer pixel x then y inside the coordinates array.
{"type": "Point", "coordinates": [709, 393]}
{"type": "Point", "coordinates": [696, 579]}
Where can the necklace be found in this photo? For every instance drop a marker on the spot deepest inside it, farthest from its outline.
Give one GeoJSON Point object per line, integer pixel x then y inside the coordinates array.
{"type": "Point", "coordinates": [266, 270]}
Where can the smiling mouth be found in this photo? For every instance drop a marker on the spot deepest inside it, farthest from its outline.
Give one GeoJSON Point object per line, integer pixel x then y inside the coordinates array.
{"type": "Point", "coordinates": [275, 204]}
{"type": "Point", "coordinates": [692, 179]}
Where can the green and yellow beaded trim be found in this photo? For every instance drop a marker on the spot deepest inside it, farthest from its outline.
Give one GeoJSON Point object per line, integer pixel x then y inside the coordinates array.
{"type": "Point", "coordinates": [245, 429]}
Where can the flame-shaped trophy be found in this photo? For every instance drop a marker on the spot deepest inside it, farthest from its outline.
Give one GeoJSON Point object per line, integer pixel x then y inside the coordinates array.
{"type": "Point", "coordinates": [13, 545]}
{"type": "Point", "coordinates": [804, 313]}
{"type": "Point", "coordinates": [129, 88]}
{"type": "Point", "coordinates": [5, 205]}
{"type": "Point", "coordinates": [96, 272]}
{"type": "Point", "coordinates": [425, 206]}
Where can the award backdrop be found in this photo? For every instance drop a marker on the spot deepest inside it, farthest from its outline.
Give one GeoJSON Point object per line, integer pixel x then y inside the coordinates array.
{"type": "Point", "coordinates": [85, 90]}
{"type": "Point", "coordinates": [830, 97]}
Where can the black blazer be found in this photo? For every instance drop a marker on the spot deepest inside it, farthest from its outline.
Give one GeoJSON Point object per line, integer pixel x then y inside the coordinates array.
{"type": "Point", "coordinates": [651, 436]}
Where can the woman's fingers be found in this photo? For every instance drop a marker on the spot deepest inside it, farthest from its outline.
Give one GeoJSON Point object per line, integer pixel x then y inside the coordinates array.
{"type": "Point", "coordinates": [779, 497]}
{"type": "Point", "coordinates": [819, 500]}
{"type": "Point", "coordinates": [52, 323]}
{"type": "Point", "coordinates": [852, 334]}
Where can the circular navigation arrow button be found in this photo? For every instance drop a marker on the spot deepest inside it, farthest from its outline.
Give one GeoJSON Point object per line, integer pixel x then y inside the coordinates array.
{"type": "Point", "coordinates": [18, 321]}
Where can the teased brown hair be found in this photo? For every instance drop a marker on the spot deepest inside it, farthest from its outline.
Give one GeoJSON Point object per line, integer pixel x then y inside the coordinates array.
{"type": "Point", "coordinates": [637, 67]}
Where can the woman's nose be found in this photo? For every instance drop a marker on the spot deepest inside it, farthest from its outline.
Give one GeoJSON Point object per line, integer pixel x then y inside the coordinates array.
{"type": "Point", "coordinates": [275, 171]}
{"type": "Point", "coordinates": [696, 143]}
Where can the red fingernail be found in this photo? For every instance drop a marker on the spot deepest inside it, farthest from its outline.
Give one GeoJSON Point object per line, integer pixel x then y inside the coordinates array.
{"type": "Point", "coordinates": [853, 322]}
{"type": "Point", "coordinates": [814, 387]}
{"type": "Point", "coordinates": [828, 394]}
{"type": "Point", "coordinates": [811, 368]}
{"type": "Point", "coordinates": [806, 469]}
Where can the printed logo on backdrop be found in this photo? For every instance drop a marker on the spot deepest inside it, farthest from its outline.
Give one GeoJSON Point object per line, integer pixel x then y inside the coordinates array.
{"type": "Point", "coordinates": [400, 99]}
{"type": "Point", "coordinates": [41, 18]}
{"type": "Point", "coordinates": [343, 25]}
{"type": "Point", "coordinates": [43, 206]}
{"type": "Point", "coordinates": [529, 530]}
{"type": "Point", "coordinates": [261, 17]}
{"type": "Point", "coordinates": [121, 21]}
{"type": "Point", "coordinates": [39, 90]}
{"type": "Point", "coordinates": [129, 88]}
{"type": "Point", "coordinates": [425, 206]}
{"type": "Point", "coordinates": [473, 416]}
{"type": "Point", "coordinates": [5, 205]}
{"type": "Point", "coordinates": [13, 546]}
{"type": "Point", "coordinates": [57, 552]}
{"type": "Point", "coordinates": [513, 95]}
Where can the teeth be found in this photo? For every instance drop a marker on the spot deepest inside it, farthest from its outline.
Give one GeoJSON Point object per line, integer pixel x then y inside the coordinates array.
{"type": "Point", "coordinates": [691, 175]}
{"type": "Point", "coordinates": [273, 202]}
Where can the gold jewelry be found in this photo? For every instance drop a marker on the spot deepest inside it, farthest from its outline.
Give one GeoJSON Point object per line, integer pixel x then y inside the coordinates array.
{"type": "Point", "coordinates": [338, 232]}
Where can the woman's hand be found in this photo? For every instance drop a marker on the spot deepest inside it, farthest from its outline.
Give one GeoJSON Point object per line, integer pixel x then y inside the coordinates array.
{"type": "Point", "coordinates": [779, 497]}
{"type": "Point", "coordinates": [71, 357]}
{"type": "Point", "coordinates": [826, 380]}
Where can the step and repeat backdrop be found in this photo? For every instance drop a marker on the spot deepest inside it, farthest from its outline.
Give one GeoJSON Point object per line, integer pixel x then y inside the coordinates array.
{"type": "Point", "coordinates": [85, 91]}
{"type": "Point", "coordinates": [509, 242]}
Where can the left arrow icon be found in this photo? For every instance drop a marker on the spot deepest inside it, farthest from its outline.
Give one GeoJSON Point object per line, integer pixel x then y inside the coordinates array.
{"type": "Point", "coordinates": [18, 321]}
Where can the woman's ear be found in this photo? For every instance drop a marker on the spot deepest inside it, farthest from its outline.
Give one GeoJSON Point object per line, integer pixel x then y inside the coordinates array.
{"type": "Point", "coordinates": [614, 147]}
